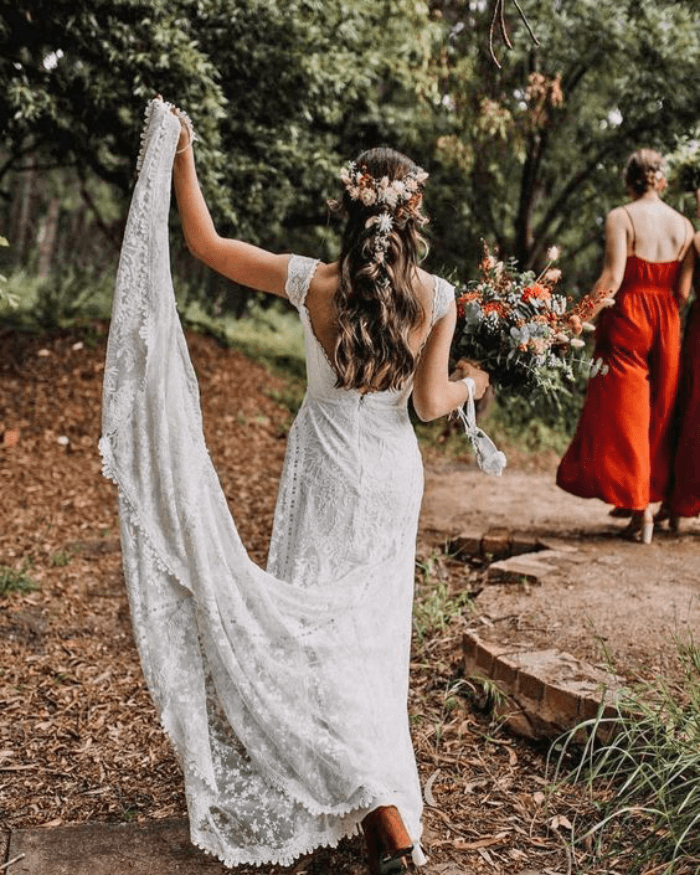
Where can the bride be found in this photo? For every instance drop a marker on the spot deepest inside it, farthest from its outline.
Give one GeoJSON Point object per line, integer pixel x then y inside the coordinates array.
{"type": "Point", "coordinates": [284, 690]}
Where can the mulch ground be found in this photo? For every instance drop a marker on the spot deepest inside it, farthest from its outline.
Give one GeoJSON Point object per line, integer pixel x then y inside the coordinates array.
{"type": "Point", "coordinates": [79, 738]}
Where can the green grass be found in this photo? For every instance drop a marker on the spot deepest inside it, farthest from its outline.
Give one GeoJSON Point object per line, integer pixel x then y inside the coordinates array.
{"type": "Point", "coordinates": [16, 580]}
{"type": "Point", "coordinates": [272, 335]}
{"type": "Point", "coordinates": [56, 301]}
{"type": "Point", "coordinates": [644, 781]}
{"type": "Point", "coordinates": [435, 605]}
{"type": "Point", "coordinates": [61, 559]}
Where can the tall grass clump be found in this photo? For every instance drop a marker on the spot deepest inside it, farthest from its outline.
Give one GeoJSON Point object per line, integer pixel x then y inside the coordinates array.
{"type": "Point", "coordinates": [435, 602]}
{"type": "Point", "coordinates": [644, 781]}
{"type": "Point", "coordinates": [16, 579]}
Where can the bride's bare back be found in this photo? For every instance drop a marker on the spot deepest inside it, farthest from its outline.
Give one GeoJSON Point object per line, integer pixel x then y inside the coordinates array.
{"type": "Point", "coordinates": [321, 307]}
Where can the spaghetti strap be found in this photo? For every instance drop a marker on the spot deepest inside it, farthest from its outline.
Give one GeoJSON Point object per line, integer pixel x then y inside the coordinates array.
{"type": "Point", "coordinates": [634, 233]}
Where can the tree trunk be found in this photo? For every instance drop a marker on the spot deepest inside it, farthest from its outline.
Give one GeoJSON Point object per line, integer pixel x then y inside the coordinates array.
{"type": "Point", "coordinates": [47, 237]}
{"type": "Point", "coordinates": [21, 213]}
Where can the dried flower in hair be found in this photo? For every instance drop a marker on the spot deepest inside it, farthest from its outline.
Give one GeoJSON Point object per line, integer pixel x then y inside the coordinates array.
{"type": "Point", "coordinates": [398, 198]}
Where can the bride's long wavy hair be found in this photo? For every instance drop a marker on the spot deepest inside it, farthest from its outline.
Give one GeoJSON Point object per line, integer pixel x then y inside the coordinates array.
{"type": "Point", "coordinates": [376, 306]}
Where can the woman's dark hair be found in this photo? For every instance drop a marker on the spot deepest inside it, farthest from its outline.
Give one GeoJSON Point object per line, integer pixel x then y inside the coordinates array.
{"type": "Point", "coordinates": [644, 171]}
{"type": "Point", "coordinates": [376, 305]}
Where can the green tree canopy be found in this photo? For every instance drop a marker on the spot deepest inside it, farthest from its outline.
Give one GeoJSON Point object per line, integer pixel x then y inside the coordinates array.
{"type": "Point", "coordinates": [280, 93]}
{"type": "Point", "coordinates": [532, 153]}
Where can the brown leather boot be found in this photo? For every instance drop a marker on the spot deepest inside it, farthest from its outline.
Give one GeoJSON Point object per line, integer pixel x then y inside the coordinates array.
{"type": "Point", "coordinates": [388, 842]}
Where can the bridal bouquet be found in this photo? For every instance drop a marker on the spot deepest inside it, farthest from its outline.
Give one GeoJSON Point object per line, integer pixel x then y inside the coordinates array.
{"type": "Point", "coordinates": [520, 329]}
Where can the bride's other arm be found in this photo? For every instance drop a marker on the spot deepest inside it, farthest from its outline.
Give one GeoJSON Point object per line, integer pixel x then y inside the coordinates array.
{"type": "Point", "coordinates": [241, 262]}
{"type": "Point", "coordinates": [435, 391]}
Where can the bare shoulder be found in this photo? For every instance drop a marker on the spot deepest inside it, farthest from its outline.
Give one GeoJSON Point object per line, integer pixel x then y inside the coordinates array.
{"type": "Point", "coordinates": [618, 217]}
{"type": "Point", "coordinates": [325, 279]}
{"type": "Point", "coordinates": [425, 284]}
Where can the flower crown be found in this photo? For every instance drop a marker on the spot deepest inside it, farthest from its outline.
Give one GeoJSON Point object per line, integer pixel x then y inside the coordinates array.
{"type": "Point", "coordinates": [397, 199]}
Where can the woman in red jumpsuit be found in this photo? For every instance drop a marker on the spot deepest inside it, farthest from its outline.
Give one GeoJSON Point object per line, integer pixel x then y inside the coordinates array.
{"type": "Point", "coordinates": [685, 495]}
{"type": "Point", "coordinates": [621, 452]}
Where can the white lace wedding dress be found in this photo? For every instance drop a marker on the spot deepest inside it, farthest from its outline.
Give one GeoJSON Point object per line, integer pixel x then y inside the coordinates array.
{"type": "Point", "coordinates": [283, 690]}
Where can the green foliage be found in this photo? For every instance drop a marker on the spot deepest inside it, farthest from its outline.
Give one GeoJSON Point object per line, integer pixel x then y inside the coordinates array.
{"type": "Point", "coordinates": [536, 425]}
{"type": "Point", "coordinates": [16, 580]}
{"type": "Point", "coordinates": [283, 93]}
{"type": "Point", "coordinates": [4, 294]}
{"type": "Point", "coordinates": [684, 161]}
{"type": "Point", "coordinates": [77, 74]}
{"type": "Point", "coordinates": [58, 300]}
{"type": "Point", "coordinates": [280, 93]}
{"type": "Point", "coordinates": [535, 150]}
{"type": "Point", "coordinates": [271, 334]}
{"type": "Point", "coordinates": [435, 605]}
{"type": "Point", "coordinates": [645, 780]}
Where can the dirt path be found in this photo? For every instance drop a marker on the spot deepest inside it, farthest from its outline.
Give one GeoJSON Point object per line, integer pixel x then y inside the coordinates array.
{"type": "Point", "coordinates": [626, 599]}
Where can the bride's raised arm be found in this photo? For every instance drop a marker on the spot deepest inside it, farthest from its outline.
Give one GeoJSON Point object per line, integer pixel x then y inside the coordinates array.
{"type": "Point", "coordinates": [238, 261]}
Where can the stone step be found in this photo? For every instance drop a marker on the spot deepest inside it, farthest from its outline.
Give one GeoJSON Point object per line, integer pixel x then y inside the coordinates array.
{"type": "Point", "coordinates": [493, 543]}
{"type": "Point", "coordinates": [546, 692]}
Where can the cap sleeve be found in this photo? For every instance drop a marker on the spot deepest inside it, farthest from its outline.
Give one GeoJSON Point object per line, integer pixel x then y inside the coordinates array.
{"type": "Point", "coordinates": [443, 295]}
{"type": "Point", "coordinates": [300, 272]}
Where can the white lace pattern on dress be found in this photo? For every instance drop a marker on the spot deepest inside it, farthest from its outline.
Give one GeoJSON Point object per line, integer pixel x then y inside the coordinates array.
{"type": "Point", "coordinates": [283, 690]}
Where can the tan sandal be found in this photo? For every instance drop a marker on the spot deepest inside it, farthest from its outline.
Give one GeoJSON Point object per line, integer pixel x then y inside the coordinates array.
{"type": "Point", "coordinates": [640, 528]}
{"type": "Point", "coordinates": [665, 515]}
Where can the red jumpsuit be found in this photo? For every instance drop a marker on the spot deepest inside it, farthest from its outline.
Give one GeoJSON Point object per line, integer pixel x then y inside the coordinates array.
{"type": "Point", "coordinates": [622, 450]}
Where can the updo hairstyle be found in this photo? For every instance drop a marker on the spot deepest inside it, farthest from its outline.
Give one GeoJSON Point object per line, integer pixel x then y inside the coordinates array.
{"type": "Point", "coordinates": [644, 172]}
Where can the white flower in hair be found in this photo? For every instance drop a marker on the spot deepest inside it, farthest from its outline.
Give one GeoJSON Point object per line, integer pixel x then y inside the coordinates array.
{"type": "Point", "coordinates": [383, 220]}
{"type": "Point", "coordinates": [386, 223]}
{"type": "Point", "coordinates": [390, 197]}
